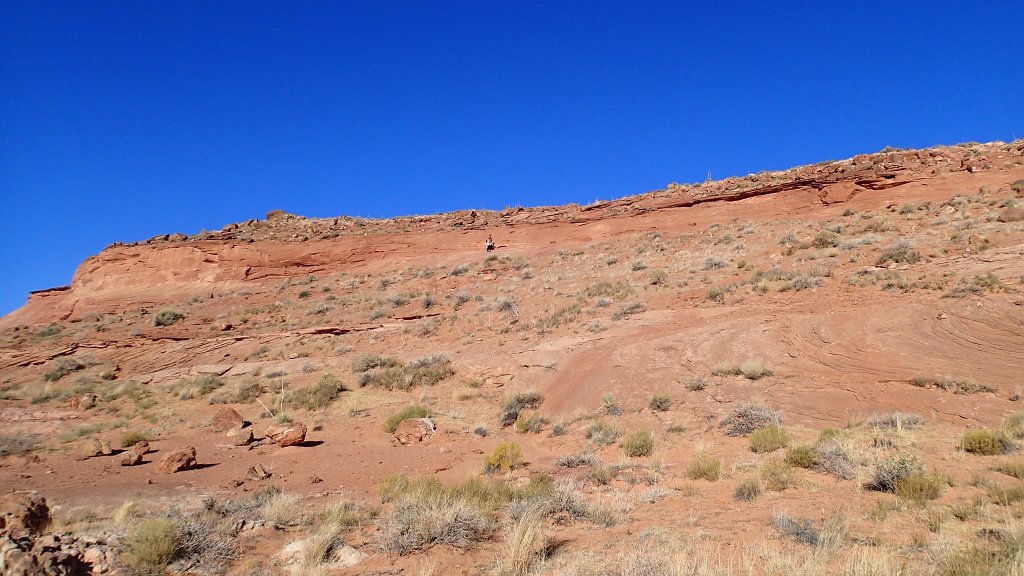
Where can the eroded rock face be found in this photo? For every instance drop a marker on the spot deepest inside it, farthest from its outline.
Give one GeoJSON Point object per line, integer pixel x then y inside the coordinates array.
{"type": "Point", "coordinates": [130, 458]}
{"type": "Point", "coordinates": [227, 419]}
{"type": "Point", "coordinates": [178, 460]}
{"type": "Point", "coordinates": [290, 434]}
{"type": "Point", "coordinates": [413, 430]}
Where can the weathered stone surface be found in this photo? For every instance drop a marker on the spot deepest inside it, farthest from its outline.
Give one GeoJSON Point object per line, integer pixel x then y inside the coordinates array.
{"type": "Point", "coordinates": [240, 436]}
{"type": "Point", "coordinates": [413, 430]}
{"type": "Point", "coordinates": [141, 447]}
{"type": "Point", "coordinates": [83, 402]}
{"type": "Point", "coordinates": [95, 447]}
{"type": "Point", "coordinates": [23, 513]}
{"type": "Point", "coordinates": [289, 434]}
{"type": "Point", "coordinates": [130, 458]}
{"type": "Point", "coordinates": [227, 419]}
{"type": "Point", "coordinates": [215, 369]}
{"type": "Point", "coordinates": [1011, 215]}
{"type": "Point", "coordinates": [178, 460]}
{"type": "Point", "coordinates": [257, 472]}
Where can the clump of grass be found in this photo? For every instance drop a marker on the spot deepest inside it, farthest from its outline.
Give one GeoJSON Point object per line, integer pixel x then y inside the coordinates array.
{"type": "Point", "coordinates": [150, 546]}
{"type": "Point", "coordinates": [896, 421]}
{"type": "Point", "coordinates": [886, 473]}
{"type": "Point", "coordinates": [1000, 557]}
{"type": "Point", "coordinates": [704, 466]}
{"type": "Point", "coordinates": [534, 423]}
{"type": "Point", "coordinates": [425, 371]}
{"type": "Point", "coordinates": [832, 456]}
{"type": "Point", "coordinates": [132, 437]}
{"type": "Point", "coordinates": [414, 411]}
{"type": "Point", "coordinates": [919, 488]}
{"type": "Point", "coordinates": [602, 433]}
{"type": "Point", "coordinates": [319, 395]}
{"type": "Point", "coordinates": [778, 475]}
{"type": "Point", "coordinates": [188, 388]}
{"type": "Point", "coordinates": [167, 317]}
{"type": "Point", "coordinates": [900, 253]}
{"type": "Point", "coordinates": [660, 402]}
{"type": "Point", "coordinates": [750, 369]}
{"type": "Point", "coordinates": [713, 263]}
{"type": "Point", "coordinates": [629, 310]}
{"type": "Point", "coordinates": [957, 386]}
{"type": "Point", "coordinates": [505, 458]}
{"type": "Point", "coordinates": [1005, 495]}
{"type": "Point", "coordinates": [18, 443]}
{"type": "Point", "coordinates": [768, 439]}
{"type": "Point", "coordinates": [747, 489]}
{"type": "Point", "coordinates": [517, 403]}
{"type": "Point", "coordinates": [638, 444]}
{"type": "Point", "coordinates": [578, 460]}
{"type": "Point", "coordinates": [62, 366]}
{"type": "Point", "coordinates": [1013, 468]}
{"type": "Point", "coordinates": [365, 362]}
{"type": "Point", "coordinates": [986, 442]}
{"type": "Point", "coordinates": [801, 456]}
{"type": "Point", "coordinates": [1014, 425]}
{"type": "Point", "coordinates": [748, 417]}
{"type": "Point", "coordinates": [697, 383]}
{"type": "Point", "coordinates": [610, 405]}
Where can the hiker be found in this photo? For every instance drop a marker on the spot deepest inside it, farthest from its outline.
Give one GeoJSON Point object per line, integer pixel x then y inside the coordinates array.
{"type": "Point", "coordinates": [489, 244]}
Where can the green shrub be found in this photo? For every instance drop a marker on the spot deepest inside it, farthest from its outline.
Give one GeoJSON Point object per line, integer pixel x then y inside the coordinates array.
{"type": "Point", "coordinates": [414, 411]}
{"type": "Point", "coordinates": [638, 444]}
{"type": "Point", "coordinates": [768, 439]}
{"type": "Point", "coordinates": [704, 466]}
{"type": "Point", "coordinates": [504, 458]}
{"type": "Point", "coordinates": [319, 395]}
{"type": "Point", "coordinates": [661, 402]}
{"type": "Point", "coordinates": [747, 489]}
{"type": "Point", "coordinates": [986, 442]}
{"type": "Point", "coordinates": [167, 317]}
{"type": "Point", "coordinates": [801, 456]}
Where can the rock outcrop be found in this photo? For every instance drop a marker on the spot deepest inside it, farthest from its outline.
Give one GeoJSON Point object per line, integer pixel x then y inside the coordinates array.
{"type": "Point", "coordinates": [290, 434]}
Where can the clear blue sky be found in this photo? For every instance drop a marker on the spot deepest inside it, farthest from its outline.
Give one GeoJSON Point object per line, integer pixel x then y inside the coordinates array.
{"type": "Point", "coordinates": [122, 120]}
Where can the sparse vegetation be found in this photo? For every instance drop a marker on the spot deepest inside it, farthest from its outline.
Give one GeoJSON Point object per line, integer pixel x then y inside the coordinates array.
{"type": "Point", "coordinates": [768, 439]}
{"type": "Point", "coordinates": [515, 404]}
{"type": "Point", "coordinates": [986, 442]}
{"type": "Point", "coordinates": [747, 489]}
{"type": "Point", "coordinates": [660, 402]}
{"type": "Point", "coordinates": [319, 395]}
{"type": "Point", "coordinates": [602, 433]}
{"type": "Point", "coordinates": [414, 411]}
{"type": "Point", "coordinates": [704, 466]}
{"type": "Point", "coordinates": [748, 417]}
{"type": "Point", "coordinates": [638, 444]}
{"type": "Point", "coordinates": [504, 458]}
{"type": "Point", "coordinates": [167, 317]}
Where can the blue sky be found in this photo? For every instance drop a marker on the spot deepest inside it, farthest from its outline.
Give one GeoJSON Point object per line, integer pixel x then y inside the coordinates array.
{"type": "Point", "coordinates": [123, 120]}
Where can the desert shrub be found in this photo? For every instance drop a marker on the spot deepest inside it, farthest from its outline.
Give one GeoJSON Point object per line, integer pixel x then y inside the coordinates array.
{"type": "Point", "coordinates": [534, 423]}
{"type": "Point", "coordinates": [610, 405]}
{"type": "Point", "coordinates": [1013, 468]}
{"type": "Point", "coordinates": [755, 370]}
{"type": "Point", "coordinates": [1014, 425]}
{"type": "Point", "coordinates": [282, 509]}
{"type": "Point", "coordinates": [167, 317]}
{"type": "Point", "coordinates": [577, 460]}
{"type": "Point", "coordinates": [704, 466]}
{"type": "Point", "coordinates": [601, 475]}
{"type": "Point", "coordinates": [188, 388]}
{"type": "Point", "coordinates": [832, 456]}
{"type": "Point", "coordinates": [886, 473]}
{"type": "Point", "coordinates": [365, 362]}
{"type": "Point", "coordinates": [900, 253]}
{"type": "Point", "coordinates": [61, 367]}
{"type": "Point", "coordinates": [986, 442]}
{"type": "Point", "coordinates": [896, 421]}
{"type": "Point", "coordinates": [414, 411]}
{"type": "Point", "coordinates": [768, 439]}
{"type": "Point", "coordinates": [657, 278]}
{"type": "Point", "coordinates": [319, 395]}
{"type": "Point", "coordinates": [132, 437]}
{"type": "Point", "coordinates": [504, 458]}
{"type": "Point", "coordinates": [423, 372]}
{"type": "Point", "coordinates": [954, 385]}
{"type": "Point", "coordinates": [778, 475]}
{"type": "Point", "coordinates": [1005, 495]}
{"type": "Point", "coordinates": [1001, 557]}
{"type": "Point", "coordinates": [749, 417]}
{"type": "Point", "coordinates": [661, 402]}
{"type": "Point", "coordinates": [697, 383]}
{"type": "Point", "coordinates": [602, 433]}
{"type": "Point", "coordinates": [637, 444]}
{"type": "Point", "coordinates": [795, 529]}
{"type": "Point", "coordinates": [747, 489]}
{"type": "Point", "coordinates": [714, 294]}
{"type": "Point", "coordinates": [18, 443]}
{"type": "Point", "coordinates": [150, 546]}
{"type": "Point", "coordinates": [432, 515]}
{"type": "Point", "coordinates": [459, 270]}
{"type": "Point", "coordinates": [516, 403]}
{"type": "Point", "coordinates": [713, 263]}
{"type": "Point", "coordinates": [49, 330]}
{"type": "Point", "coordinates": [801, 456]}
{"type": "Point", "coordinates": [919, 488]}
{"type": "Point", "coordinates": [629, 310]}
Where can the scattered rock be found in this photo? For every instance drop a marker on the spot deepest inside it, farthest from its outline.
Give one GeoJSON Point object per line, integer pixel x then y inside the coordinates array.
{"type": "Point", "coordinates": [240, 436]}
{"type": "Point", "coordinates": [1011, 215]}
{"type": "Point", "coordinates": [83, 402]}
{"type": "Point", "coordinates": [227, 419]}
{"type": "Point", "coordinates": [141, 448]}
{"type": "Point", "coordinates": [314, 479]}
{"type": "Point", "coordinates": [23, 513]}
{"type": "Point", "coordinates": [130, 458]}
{"type": "Point", "coordinates": [287, 434]}
{"type": "Point", "coordinates": [337, 557]}
{"type": "Point", "coordinates": [257, 472]}
{"type": "Point", "coordinates": [178, 460]}
{"type": "Point", "coordinates": [413, 430]}
{"type": "Point", "coordinates": [95, 447]}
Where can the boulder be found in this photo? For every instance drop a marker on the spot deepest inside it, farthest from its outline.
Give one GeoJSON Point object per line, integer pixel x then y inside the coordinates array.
{"type": "Point", "coordinates": [83, 402]}
{"type": "Point", "coordinates": [227, 419]}
{"type": "Point", "coordinates": [23, 513]}
{"type": "Point", "coordinates": [289, 434]}
{"type": "Point", "coordinates": [95, 447]}
{"type": "Point", "coordinates": [1011, 215]}
{"type": "Point", "coordinates": [240, 436]}
{"type": "Point", "coordinates": [130, 458]}
{"type": "Point", "coordinates": [178, 460]}
{"type": "Point", "coordinates": [257, 472]}
{"type": "Point", "coordinates": [141, 448]}
{"type": "Point", "coordinates": [413, 430]}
